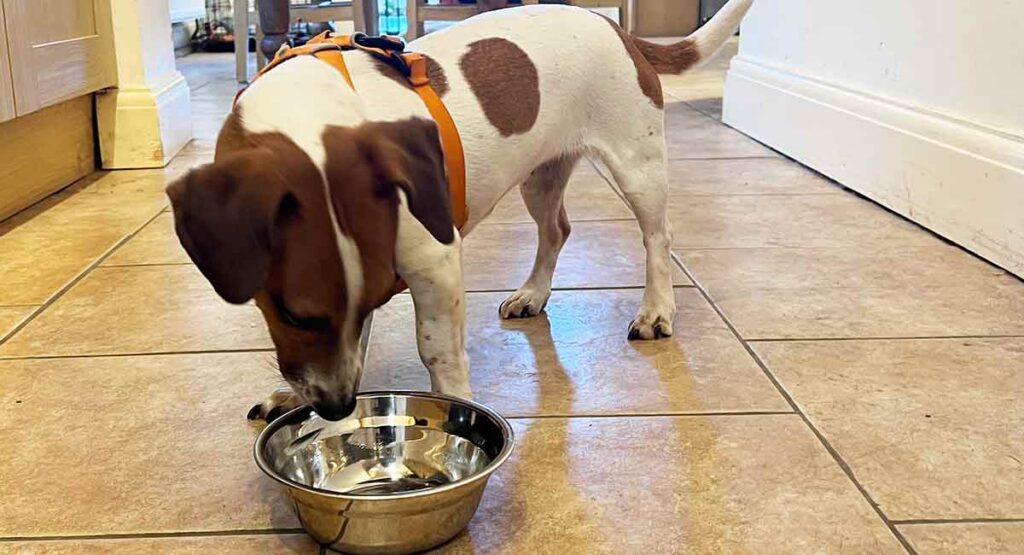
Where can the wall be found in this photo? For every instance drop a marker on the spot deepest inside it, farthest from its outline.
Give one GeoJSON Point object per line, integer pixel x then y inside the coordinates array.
{"type": "Point", "coordinates": [917, 104]}
{"type": "Point", "coordinates": [186, 10]}
{"type": "Point", "coordinates": [146, 120]}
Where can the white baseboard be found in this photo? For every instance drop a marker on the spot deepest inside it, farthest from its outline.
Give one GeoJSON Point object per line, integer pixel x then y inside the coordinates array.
{"type": "Point", "coordinates": [963, 181]}
{"type": "Point", "coordinates": [144, 127]}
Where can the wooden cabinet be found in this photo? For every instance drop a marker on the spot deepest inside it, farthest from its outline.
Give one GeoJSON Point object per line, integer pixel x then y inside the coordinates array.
{"type": "Point", "coordinates": [6, 87]}
{"type": "Point", "coordinates": [59, 49]}
{"type": "Point", "coordinates": [666, 18]}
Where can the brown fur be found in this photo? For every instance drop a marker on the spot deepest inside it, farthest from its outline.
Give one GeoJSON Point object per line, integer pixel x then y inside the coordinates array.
{"type": "Point", "coordinates": [256, 223]}
{"type": "Point", "coordinates": [366, 166]}
{"type": "Point", "coordinates": [438, 79]}
{"type": "Point", "coordinates": [669, 58]}
{"type": "Point", "coordinates": [232, 134]}
{"type": "Point", "coordinates": [651, 59]}
{"type": "Point", "coordinates": [650, 84]}
{"type": "Point", "coordinates": [505, 82]}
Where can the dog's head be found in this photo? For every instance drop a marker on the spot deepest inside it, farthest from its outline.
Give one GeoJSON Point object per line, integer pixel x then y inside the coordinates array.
{"type": "Point", "coordinates": [315, 247]}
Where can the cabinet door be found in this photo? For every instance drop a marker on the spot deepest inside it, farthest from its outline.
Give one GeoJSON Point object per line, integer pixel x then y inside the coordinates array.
{"type": "Point", "coordinates": [59, 49]}
{"type": "Point", "coordinates": [6, 87]}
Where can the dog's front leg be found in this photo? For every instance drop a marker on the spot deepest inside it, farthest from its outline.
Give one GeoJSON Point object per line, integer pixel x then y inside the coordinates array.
{"type": "Point", "coordinates": [433, 272]}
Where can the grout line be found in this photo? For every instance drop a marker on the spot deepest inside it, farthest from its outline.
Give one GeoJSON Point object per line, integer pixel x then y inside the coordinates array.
{"type": "Point", "coordinates": [138, 354]}
{"type": "Point", "coordinates": [75, 280]}
{"type": "Point", "coordinates": [670, 159]}
{"type": "Point", "coordinates": [573, 221]}
{"type": "Point", "coordinates": [796, 408]}
{"type": "Point", "coordinates": [584, 288]}
{"type": "Point", "coordinates": [934, 521]}
{"type": "Point", "coordinates": [883, 338]}
{"type": "Point", "coordinates": [158, 535]}
{"type": "Point", "coordinates": [668, 414]}
{"type": "Point", "coordinates": [685, 195]}
{"type": "Point", "coordinates": [691, 248]}
{"type": "Point", "coordinates": [148, 265]}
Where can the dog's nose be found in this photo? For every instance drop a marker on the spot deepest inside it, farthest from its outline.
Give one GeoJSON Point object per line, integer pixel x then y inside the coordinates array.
{"type": "Point", "coordinates": [335, 411]}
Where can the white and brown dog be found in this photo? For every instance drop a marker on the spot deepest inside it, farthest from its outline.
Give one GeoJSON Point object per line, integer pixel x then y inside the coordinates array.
{"type": "Point", "coordinates": [322, 197]}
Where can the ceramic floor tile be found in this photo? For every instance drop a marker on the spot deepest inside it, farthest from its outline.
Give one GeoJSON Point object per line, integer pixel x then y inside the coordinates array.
{"type": "Point", "coordinates": [961, 539]}
{"type": "Point", "coordinates": [588, 197]}
{"type": "Point", "coordinates": [146, 309]}
{"type": "Point", "coordinates": [576, 358]}
{"type": "Point", "coordinates": [859, 291]}
{"type": "Point", "coordinates": [157, 243]}
{"type": "Point", "coordinates": [744, 221]}
{"type": "Point", "coordinates": [42, 251]}
{"type": "Point", "coordinates": [691, 134]}
{"type": "Point", "coordinates": [182, 163]}
{"type": "Point", "coordinates": [597, 255]}
{"type": "Point", "coordinates": [930, 427]}
{"type": "Point", "coordinates": [711, 107]}
{"type": "Point", "coordinates": [203, 68]}
{"type": "Point", "coordinates": [733, 484]}
{"type": "Point", "coordinates": [744, 176]}
{"type": "Point", "coordinates": [11, 316]}
{"type": "Point", "coordinates": [134, 444]}
{"type": "Point", "coordinates": [219, 545]}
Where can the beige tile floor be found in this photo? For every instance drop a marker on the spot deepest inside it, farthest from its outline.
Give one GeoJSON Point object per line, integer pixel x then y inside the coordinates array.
{"type": "Point", "coordinates": [841, 381]}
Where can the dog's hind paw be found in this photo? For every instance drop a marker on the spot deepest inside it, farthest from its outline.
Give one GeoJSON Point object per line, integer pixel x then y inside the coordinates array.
{"type": "Point", "coordinates": [524, 303]}
{"type": "Point", "coordinates": [277, 403]}
{"type": "Point", "coordinates": [650, 325]}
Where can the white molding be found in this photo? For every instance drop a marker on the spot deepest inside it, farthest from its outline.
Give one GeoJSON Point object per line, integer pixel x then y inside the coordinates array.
{"type": "Point", "coordinates": [144, 127]}
{"type": "Point", "coordinates": [961, 180]}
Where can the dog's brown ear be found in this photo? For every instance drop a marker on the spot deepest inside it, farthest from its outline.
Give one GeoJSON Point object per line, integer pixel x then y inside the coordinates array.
{"type": "Point", "coordinates": [408, 154]}
{"type": "Point", "coordinates": [226, 215]}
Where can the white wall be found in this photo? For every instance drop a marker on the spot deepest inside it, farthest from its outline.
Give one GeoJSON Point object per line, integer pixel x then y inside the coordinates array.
{"type": "Point", "coordinates": [186, 10]}
{"type": "Point", "coordinates": [918, 104]}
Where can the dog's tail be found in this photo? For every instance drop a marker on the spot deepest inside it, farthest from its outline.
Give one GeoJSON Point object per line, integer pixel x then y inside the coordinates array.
{"type": "Point", "coordinates": [699, 46]}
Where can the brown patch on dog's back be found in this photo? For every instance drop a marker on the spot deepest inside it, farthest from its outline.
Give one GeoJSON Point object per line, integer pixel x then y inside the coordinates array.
{"type": "Point", "coordinates": [505, 82]}
{"type": "Point", "coordinates": [646, 75]}
{"type": "Point", "coordinates": [438, 79]}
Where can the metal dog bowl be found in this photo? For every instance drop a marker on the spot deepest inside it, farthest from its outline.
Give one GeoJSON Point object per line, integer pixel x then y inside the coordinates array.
{"type": "Point", "coordinates": [403, 474]}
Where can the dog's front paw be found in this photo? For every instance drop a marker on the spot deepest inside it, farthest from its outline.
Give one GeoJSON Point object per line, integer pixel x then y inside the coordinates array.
{"type": "Point", "coordinates": [651, 324]}
{"type": "Point", "coordinates": [277, 403]}
{"type": "Point", "coordinates": [524, 303]}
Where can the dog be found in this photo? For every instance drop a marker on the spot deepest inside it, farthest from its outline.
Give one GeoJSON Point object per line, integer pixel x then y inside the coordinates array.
{"type": "Point", "coordinates": [322, 197]}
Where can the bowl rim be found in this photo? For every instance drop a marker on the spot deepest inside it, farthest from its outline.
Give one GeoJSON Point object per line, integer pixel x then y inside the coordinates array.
{"type": "Point", "coordinates": [285, 419]}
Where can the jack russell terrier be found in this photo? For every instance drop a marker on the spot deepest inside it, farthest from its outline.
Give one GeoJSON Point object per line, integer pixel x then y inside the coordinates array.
{"type": "Point", "coordinates": [324, 197]}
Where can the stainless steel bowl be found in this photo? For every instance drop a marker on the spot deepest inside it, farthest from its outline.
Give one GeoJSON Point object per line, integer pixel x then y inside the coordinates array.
{"type": "Point", "coordinates": [403, 474]}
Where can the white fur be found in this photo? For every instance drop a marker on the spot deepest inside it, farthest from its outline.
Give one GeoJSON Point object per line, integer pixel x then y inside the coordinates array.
{"type": "Point", "coordinates": [714, 33]}
{"type": "Point", "coordinates": [591, 103]}
{"type": "Point", "coordinates": [433, 272]}
{"type": "Point", "coordinates": [328, 100]}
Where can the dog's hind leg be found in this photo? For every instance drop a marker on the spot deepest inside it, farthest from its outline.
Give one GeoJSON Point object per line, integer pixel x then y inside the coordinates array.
{"type": "Point", "coordinates": [642, 177]}
{"type": "Point", "coordinates": [543, 194]}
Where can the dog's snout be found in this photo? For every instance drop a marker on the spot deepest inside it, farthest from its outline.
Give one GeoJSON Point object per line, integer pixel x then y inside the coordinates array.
{"type": "Point", "coordinates": [334, 412]}
{"type": "Point", "coordinates": [333, 407]}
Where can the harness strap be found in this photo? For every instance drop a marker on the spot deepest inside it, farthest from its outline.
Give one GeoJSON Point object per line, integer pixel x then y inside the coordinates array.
{"type": "Point", "coordinates": [414, 66]}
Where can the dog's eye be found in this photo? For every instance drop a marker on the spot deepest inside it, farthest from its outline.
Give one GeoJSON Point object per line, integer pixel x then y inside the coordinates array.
{"type": "Point", "coordinates": [308, 323]}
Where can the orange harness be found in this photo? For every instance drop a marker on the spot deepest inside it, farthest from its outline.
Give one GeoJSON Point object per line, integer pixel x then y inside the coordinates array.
{"type": "Point", "coordinates": [414, 66]}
